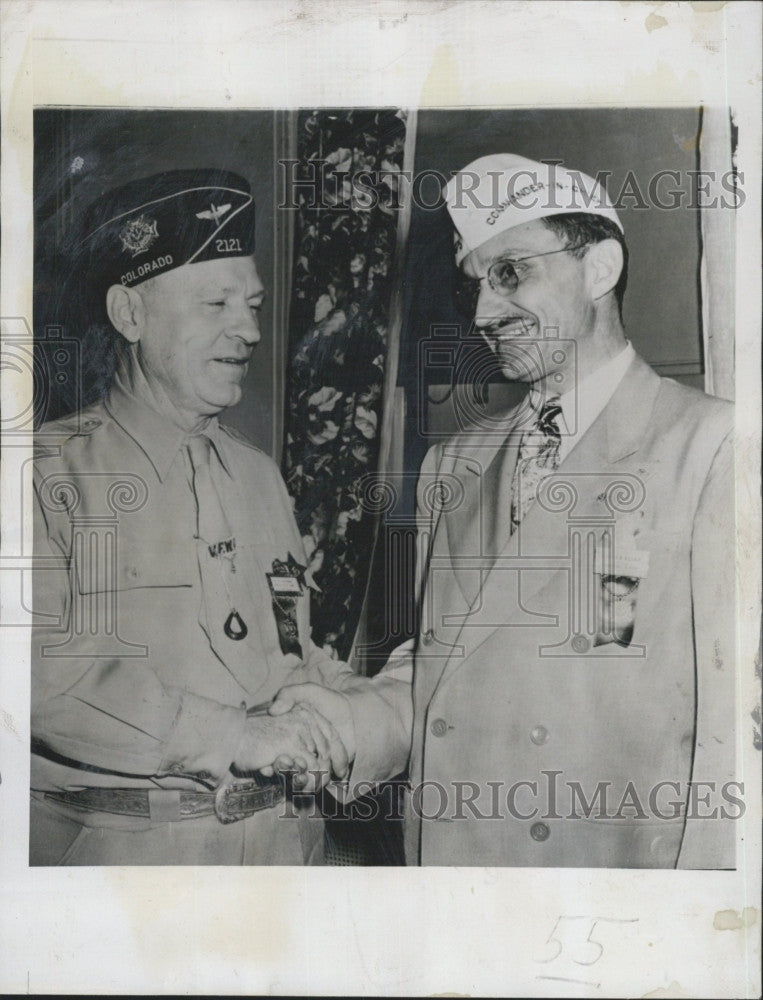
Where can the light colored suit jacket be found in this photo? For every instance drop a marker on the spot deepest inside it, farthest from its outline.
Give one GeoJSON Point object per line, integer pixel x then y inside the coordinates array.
{"type": "Point", "coordinates": [528, 743]}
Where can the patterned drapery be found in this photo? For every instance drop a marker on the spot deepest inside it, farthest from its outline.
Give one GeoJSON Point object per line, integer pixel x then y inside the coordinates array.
{"type": "Point", "coordinates": [346, 188]}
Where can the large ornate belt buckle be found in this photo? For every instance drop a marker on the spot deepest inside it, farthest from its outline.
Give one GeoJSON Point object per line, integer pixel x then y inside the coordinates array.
{"type": "Point", "coordinates": [244, 797]}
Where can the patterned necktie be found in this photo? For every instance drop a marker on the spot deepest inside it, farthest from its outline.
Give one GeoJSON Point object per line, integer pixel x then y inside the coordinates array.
{"type": "Point", "coordinates": [538, 457]}
{"type": "Point", "coordinates": [216, 551]}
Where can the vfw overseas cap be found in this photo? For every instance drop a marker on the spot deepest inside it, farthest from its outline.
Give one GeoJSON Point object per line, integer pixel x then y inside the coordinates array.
{"type": "Point", "coordinates": [497, 192]}
{"type": "Point", "coordinates": [158, 223]}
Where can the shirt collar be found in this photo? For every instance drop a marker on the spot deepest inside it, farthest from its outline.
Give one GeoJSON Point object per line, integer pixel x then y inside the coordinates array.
{"type": "Point", "coordinates": [583, 403]}
{"type": "Point", "coordinates": [154, 433]}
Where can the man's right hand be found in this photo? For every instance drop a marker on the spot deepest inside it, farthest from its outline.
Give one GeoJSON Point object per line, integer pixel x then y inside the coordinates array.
{"type": "Point", "coordinates": [300, 735]}
{"type": "Point", "coordinates": [327, 704]}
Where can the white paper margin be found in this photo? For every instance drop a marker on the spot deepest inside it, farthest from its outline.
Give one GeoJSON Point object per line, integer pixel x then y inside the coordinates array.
{"type": "Point", "coordinates": [376, 931]}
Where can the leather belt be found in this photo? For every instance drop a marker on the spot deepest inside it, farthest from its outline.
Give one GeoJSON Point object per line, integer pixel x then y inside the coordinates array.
{"type": "Point", "coordinates": [231, 802]}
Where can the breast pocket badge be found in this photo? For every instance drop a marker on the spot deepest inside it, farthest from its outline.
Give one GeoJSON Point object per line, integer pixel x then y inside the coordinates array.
{"type": "Point", "coordinates": [620, 566]}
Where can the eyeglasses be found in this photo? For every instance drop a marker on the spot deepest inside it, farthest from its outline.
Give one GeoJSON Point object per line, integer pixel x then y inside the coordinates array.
{"type": "Point", "coordinates": [501, 276]}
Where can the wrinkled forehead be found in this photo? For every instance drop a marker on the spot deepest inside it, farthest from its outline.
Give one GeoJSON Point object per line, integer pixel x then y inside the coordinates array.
{"type": "Point", "coordinates": [225, 276]}
{"type": "Point", "coordinates": [519, 241]}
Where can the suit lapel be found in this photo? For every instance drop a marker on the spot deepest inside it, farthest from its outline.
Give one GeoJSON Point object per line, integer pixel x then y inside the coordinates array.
{"type": "Point", "coordinates": [476, 527]}
{"type": "Point", "coordinates": [497, 498]}
{"type": "Point", "coordinates": [542, 538]}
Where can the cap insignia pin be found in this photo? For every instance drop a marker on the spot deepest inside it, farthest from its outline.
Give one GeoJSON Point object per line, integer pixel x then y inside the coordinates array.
{"type": "Point", "coordinates": [137, 235]}
{"type": "Point", "coordinates": [216, 212]}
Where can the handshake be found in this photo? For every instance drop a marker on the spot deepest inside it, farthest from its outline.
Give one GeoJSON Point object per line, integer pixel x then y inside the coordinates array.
{"type": "Point", "coordinates": [308, 732]}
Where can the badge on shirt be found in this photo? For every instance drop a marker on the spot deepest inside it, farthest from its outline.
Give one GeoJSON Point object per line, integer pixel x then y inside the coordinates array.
{"type": "Point", "coordinates": [625, 557]}
{"type": "Point", "coordinates": [286, 587]}
{"type": "Point", "coordinates": [620, 567]}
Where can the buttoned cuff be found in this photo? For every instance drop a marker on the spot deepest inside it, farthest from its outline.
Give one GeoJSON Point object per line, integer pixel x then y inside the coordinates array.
{"type": "Point", "coordinates": [204, 739]}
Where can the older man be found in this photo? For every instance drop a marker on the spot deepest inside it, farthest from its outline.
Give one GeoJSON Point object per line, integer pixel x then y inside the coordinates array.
{"type": "Point", "coordinates": [569, 698]}
{"type": "Point", "coordinates": [169, 597]}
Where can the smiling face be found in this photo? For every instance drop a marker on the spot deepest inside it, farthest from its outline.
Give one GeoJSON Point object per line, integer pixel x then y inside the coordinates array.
{"type": "Point", "coordinates": [199, 328]}
{"type": "Point", "coordinates": [553, 301]}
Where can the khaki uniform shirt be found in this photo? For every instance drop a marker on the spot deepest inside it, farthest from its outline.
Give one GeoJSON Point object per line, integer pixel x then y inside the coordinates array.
{"type": "Point", "coordinates": [127, 690]}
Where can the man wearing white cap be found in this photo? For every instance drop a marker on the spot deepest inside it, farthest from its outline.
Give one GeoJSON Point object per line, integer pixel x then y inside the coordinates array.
{"type": "Point", "coordinates": [571, 687]}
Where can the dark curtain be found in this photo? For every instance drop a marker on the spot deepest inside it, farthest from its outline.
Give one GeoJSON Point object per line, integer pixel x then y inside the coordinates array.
{"type": "Point", "coordinates": [345, 189]}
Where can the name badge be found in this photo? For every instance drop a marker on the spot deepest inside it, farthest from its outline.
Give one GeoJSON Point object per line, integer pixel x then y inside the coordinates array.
{"type": "Point", "coordinates": [629, 562]}
{"type": "Point", "coordinates": [284, 585]}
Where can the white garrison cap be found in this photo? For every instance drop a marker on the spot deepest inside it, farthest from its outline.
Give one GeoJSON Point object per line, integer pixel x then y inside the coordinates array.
{"type": "Point", "coordinates": [498, 192]}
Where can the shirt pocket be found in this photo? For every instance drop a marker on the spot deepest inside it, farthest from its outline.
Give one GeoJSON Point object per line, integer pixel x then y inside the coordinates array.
{"type": "Point", "coordinates": [101, 566]}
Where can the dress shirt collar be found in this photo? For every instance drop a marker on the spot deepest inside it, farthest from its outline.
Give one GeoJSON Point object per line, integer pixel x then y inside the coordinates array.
{"type": "Point", "coordinates": [156, 434]}
{"type": "Point", "coordinates": [583, 403]}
